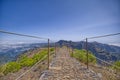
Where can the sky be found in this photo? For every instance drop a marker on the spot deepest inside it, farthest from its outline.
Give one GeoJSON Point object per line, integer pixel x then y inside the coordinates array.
{"type": "Point", "coordinates": [61, 19]}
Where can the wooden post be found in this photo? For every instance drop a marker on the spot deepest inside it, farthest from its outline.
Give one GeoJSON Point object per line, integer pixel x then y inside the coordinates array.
{"type": "Point", "coordinates": [67, 48]}
{"type": "Point", "coordinates": [71, 48]}
{"type": "Point", "coordinates": [72, 52]}
{"type": "Point", "coordinates": [48, 52]}
{"type": "Point", "coordinates": [87, 52]}
{"type": "Point", "coordinates": [55, 48]}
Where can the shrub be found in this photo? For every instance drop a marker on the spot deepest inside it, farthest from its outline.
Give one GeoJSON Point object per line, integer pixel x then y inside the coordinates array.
{"type": "Point", "coordinates": [117, 65]}
{"type": "Point", "coordinates": [40, 55]}
{"type": "Point", "coordinates": [0, 69]}
{"type": "Point", "coordinates": [11, 67]}
{"type": "Point", "coordinates": [81, 56]}
{"type": "Point", "coordinates": [25, 61]}
{"type": "Point", "coordinates": [51, 49]}
{"type": "Point", "coordinates": [37, 57]}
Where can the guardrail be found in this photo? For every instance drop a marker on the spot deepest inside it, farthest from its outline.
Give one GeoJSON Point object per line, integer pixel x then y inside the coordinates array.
{"type": "Point", "coordinates": [102, 36]}
{"type": "Point", "coordinates": [47, 40]}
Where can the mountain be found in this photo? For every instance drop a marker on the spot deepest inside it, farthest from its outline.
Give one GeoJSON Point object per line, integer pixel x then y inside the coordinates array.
{"type": "Point", "coordinates": [105, 52]}
{"type": "Point", "coordinates": [10, 52]}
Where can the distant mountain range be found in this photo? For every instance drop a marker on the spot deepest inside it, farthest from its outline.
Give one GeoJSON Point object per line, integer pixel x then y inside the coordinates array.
{"type": "Point", "coordinates": [105, 52]}
{"type": "Point", "coordinates": [10, 52]}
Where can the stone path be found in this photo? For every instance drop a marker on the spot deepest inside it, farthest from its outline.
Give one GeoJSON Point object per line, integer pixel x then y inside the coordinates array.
{"type": "Point", "coordinates": [63, 67]}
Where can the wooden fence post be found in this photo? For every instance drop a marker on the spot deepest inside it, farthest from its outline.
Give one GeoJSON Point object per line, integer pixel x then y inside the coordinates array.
{"type": "Point", "coordinates": [48, 52]}
{"type": "Point", "coordinates": [87, 51]}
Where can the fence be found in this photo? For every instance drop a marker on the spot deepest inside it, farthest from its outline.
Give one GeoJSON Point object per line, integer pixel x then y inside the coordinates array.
{"type": "Point", "coordinates": [93, 38]}
{"type": "Point", "coordinates": [105, 50]}
{"type": "Point", "coordinates": [104, 63]}
{"type": "Point", "coordinates": [24, 44]}
{"type": "Point", "coordinates": [106, 53]}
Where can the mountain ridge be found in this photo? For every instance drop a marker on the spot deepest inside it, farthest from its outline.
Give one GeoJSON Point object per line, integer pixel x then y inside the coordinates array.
{"type": "Point", "coordinates": [105, 52]}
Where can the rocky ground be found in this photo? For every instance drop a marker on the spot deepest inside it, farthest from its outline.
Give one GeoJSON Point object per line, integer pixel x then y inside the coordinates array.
{"type": "Point", "coordinates": [32, 74]}
{"type": "Point", "coordinates": [64, 67]}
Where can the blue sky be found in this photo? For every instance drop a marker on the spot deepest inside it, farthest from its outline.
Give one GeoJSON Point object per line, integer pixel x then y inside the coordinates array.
{"type": "Point", "coordinates": [61, 19]}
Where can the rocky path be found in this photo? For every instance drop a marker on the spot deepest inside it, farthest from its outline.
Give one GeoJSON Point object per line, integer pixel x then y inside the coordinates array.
{"type": "Point", "coordinates": [63, 67]}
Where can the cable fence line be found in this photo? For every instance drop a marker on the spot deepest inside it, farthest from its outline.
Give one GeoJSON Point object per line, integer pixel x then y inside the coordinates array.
{"type": "Point", "coordinates": [6, 32]}
{"type": "Point", "coordinates": [105, 61]}
{"type": "Point", "coordinates": [50, 43]}
{"type": "Point", "coordinates": [47, 44]}
{"type": "Point", "coordinates": [105, 53]}
{"type": "Point", "coordinates": [30, 69]}
{"type": "Point", "coordinates": [13, 33]}
{"type": "Point", "coordinates": [103, 36]}
{"type": "Point", "coordinates": [18, 78]}
{"type": "Point", "coordinates": [107, 69]}
{"type": "Point", "coordinates": [87, 39]}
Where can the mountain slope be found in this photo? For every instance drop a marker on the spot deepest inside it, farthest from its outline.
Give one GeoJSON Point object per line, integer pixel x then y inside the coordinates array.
{"type": "Point", "coordinates": [11, 52]}
{"type": "Point", "coordinates": [102, 51]}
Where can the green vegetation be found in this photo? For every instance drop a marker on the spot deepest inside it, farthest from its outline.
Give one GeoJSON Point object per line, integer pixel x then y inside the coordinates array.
{"type": "Point", "coordinates": [11, 67]}
{"type": "Point", "coordinates": [51, 49]}
{"type": "Point", "coordinates": [26, 61]}
{"type": "Point", "coordinates": [39, 56]}
{"type": "Point", "coordinates": [23, 61]}
{"type": "Point", "coordinates": [81, 56]}
{"type": "Point", "coordinates": [117, 65]}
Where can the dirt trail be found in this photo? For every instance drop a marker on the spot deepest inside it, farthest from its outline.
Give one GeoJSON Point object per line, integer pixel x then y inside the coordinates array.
{"type": "Point", "coordinates": [63, 67]}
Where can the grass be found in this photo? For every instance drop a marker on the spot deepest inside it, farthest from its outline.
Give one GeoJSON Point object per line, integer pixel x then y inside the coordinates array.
{"type": "Point", "coordinates": [107, 75]}
{"type": "Point", "coordinates": [116, 66]}
{"type": "Point", "coordinates": [81, 56]}
{"type": "Point", "coordinates": [23, 61]}
{"type": "Point", "coordinates": [11, 67]}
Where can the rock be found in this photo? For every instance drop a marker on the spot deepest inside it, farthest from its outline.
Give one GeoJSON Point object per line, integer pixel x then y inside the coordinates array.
{"type": "Point", "coordinates": [100, 75]}
{"type": "Point", "coordinates": [67, 68]}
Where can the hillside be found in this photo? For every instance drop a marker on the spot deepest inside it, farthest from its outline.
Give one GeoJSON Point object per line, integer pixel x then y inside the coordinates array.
{"type": "Point", "coordinates": [10, 52]}
{"type": "Point", "coordinates": [102, 51]}
{"type": "Point", "coordinates": [36, 57]}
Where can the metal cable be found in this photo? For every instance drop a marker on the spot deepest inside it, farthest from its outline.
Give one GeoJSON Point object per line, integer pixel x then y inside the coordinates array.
{"type": "Point", "coordinates": [104, 36]}
{"type": "Point", "coordinates": [22, 35]}
{"type": "Point", "coordinates": [30, 69]}
{"type": "Point", "coordinates": [105, 62]}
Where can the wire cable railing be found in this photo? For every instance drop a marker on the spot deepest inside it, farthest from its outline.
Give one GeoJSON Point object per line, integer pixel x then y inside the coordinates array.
{"type": "Point", "coordinates": [87, 39]}
{"type": "Point", "coordinates": [101, 57]}
{"type": "Point", "coordinates": [49, 43]}
{"type": "Point", "coordinates": [29, 69]}
{"type": "Point", "coordinates": [6, 32]}
{"type": "Point", "coordinates": [106, 62]}
{"type": "Point", "coordinates": [103, 36]}
{"type": "Point", "coordinates": [54, 44]}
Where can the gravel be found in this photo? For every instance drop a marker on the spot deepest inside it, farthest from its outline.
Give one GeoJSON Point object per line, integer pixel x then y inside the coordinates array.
{"type": "Point", "coordinates": [71, 69]}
